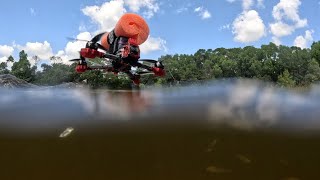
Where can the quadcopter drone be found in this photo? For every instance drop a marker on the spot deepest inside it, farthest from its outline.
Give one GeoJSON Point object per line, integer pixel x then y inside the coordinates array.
{"type": "Point", "coordinates": [121, 55]}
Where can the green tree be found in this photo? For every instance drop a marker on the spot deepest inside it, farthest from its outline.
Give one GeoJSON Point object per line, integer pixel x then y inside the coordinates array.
{"type": "Point", "coordinates": [313, 72]}
{"type": "Point", "coordinates": [3, 68]}
{"type": "Point", "coordinates": [285, 79]}
{"type": "Point", "coordinates": [10, 59]}
{"type": "Point", "coordinates": [55, 74]}
{"type": "Point", "coordinates": [270, 51]}
{"type": "Point", "coordinates": [22, 69]}
{"type": "Point", "coordinates": [315, 51]}
{"type": "Point", "coordinates": [208, 69]}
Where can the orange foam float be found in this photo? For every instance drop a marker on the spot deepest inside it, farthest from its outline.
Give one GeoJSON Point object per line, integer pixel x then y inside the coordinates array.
{"type": "Point", "coordinates": [132, 26]}
{"type": "Point", "coordinates": [129, 25]}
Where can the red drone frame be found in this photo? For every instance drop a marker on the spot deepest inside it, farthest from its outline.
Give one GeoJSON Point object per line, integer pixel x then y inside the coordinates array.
{"type": "Point", "coordinates": [118, 63]}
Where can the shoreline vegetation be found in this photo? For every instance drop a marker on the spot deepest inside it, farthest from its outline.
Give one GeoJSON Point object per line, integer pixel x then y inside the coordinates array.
{"type": "Point", "coordinates": [283, 66]}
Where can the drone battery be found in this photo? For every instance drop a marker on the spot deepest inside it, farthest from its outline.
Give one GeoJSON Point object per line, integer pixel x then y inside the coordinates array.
{"type": "Point", "coordinates": [104, 41]}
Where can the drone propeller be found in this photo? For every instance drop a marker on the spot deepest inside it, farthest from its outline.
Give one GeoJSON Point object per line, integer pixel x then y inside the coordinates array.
{"type": "Point", "coordinates": [75, 39]}
{"type": "Point", "coordinates": [74, 60]}
{"type": "Point", "coordinates": [148, 60]}
{"type": "Point", "coordinates": [144, 73]}
{"type": "Point", "coordinates": [156, 63]}
{"type": "Point", "coordinates": [92, 44]}
{"type": "Point", "coordinates": [80, 59]}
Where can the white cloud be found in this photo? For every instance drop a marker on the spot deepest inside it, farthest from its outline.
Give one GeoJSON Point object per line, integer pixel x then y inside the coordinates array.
{"type": "Point", "coordinates": [106, 15]}
{"type": "Point", "coordinates": [82, 28]}
{"type": "Point", "coordinates": [32, 12]}
{"type": "Point", "coordinates": [153, 44]}
{"type": "Point", "coordinates": [287, 9]}
{"type": "Point", "coordinates": [202, 12]}
{"type": "Point", "coordinates": [276, 40]}
{"type": "Point", "coordinates": [261, 3]}
{"type": "Point", "coordinates": [3, 59]}
{"type": "Point", "coordinates": [198, 9]}
{"type": "Point", "coordinates": [225, 27]}
{"type": "Point", "coordinates": [151, 6]}
{"type": "Point", "coordinates": [42, 50]}
{"type": "Point", "coordinates": [181, 10]}
{"type": "Point", "coordinates": [247, 4]}
{"type": "Point", "coordinates": [287, 18]}
{"type": "Point", "coordinates": [280, 29]}
{"type": "Point", "coordinates": [301, 23]}
{"type": "Point", "coordinates": [303, 41]}
{"type": "Point", "coordinates": [248, 27]}
{"type": "Point", "coordinates": [72, 49]}
{"type": "Point", "coordinates": [6, 50]}
{"type": "Point", "coordinates": [205, 15]}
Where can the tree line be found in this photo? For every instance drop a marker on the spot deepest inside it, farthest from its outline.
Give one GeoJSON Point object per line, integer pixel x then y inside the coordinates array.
{"type": "Point", "coordinates": [286, 66]}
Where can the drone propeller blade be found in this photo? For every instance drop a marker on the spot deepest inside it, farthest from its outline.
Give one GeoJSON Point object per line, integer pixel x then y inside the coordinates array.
{"type": "Point", "coordinates": [144, 73]}
{"type": "Point", "coordinates": [72, 60]}
{"type": "Point", "coordinates": [148, 60]}
{"type": "Point", "coordinates": [75, 39]}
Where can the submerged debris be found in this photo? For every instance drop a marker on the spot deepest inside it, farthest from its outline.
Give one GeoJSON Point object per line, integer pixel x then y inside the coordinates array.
{"type": "Point", "coordinates": [211, 145]}
{"type": "Point", "coordinates": [214, 169]}
{"type": "Point", "coordinates": [66, 132]}
{"type": "Point", "coordinates": [243, 158]}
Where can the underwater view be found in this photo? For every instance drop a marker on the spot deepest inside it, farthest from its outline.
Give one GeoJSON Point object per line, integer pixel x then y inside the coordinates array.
{"type": "Point", "coordinates": [231, 129]}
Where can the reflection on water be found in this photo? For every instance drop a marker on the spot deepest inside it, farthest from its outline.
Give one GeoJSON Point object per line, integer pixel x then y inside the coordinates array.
{"type": "Point", "coordinates": [236, 103]}
{"type": "Point", "coordinates": [233, 129]}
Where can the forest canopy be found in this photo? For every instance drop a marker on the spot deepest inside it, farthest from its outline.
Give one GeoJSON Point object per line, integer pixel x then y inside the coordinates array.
{"type": "Point", "coordinates": [283, 65]}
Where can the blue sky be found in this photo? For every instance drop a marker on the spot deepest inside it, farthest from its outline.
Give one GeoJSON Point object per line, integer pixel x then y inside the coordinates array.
{"type": "Point", "coordinates": [176, 26]}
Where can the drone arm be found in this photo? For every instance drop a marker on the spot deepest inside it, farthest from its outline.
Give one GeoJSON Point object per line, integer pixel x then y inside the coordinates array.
{"type": "Point", "coordinates": [139, 65]}
{"type": "Point", "coordinates": [111, 56]}
{"type": "Point", "coordinates": [156, 70]}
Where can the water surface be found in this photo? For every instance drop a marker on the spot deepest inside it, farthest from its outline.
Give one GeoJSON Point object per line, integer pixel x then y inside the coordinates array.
{"type": "Point", "coordinates": [235, 129]}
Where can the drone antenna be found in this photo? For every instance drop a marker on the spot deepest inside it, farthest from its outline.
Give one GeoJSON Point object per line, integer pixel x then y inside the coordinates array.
{"type": "Point", "coordinates": [171, 75]}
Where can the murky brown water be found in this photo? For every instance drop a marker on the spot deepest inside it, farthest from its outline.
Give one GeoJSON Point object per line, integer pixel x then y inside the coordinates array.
{"type": "Point", "coordinates": [234, 130]}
